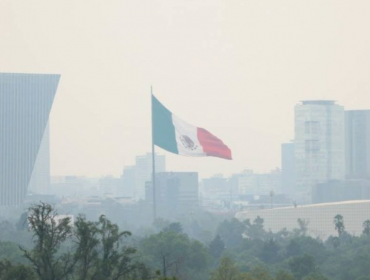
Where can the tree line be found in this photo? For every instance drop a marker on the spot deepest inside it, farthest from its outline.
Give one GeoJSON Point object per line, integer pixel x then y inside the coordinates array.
{"type": "Point", "coordinates": [239, 250]}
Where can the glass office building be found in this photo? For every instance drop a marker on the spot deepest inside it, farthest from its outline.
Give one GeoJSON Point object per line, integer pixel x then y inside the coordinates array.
{"type": "Point", "coordinates": [25, 104]}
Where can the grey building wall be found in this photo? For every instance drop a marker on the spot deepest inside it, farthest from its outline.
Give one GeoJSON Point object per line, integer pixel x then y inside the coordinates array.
{"type": "Point", "coordinates": [357, 144]}
{"type": "Point", "coordinates": [319, 145]}
{"type": "Point", "coordinates": [25, 104]}
{"type": "Point", "coordinates": [288, 172]}
{"type": "Point", "coordinates": [143, 167]}
{"type": "Point", "coordinates": [176, 194]}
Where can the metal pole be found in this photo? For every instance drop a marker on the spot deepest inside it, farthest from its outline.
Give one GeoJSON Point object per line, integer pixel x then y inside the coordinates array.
{"type": "Point", "coordinates": [153, 164]}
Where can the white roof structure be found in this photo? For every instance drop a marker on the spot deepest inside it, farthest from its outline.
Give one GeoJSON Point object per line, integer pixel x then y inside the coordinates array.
{"type": "Point", "coordinates": [319, 216]}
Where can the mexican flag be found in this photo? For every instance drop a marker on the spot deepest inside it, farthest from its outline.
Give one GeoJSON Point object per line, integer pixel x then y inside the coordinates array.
{"type": "Point", "coordinates": [176, 136]}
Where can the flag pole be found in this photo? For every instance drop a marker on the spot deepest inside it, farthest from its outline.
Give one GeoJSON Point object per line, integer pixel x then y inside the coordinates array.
{"type": "Point", "coordinates": [153, 164]}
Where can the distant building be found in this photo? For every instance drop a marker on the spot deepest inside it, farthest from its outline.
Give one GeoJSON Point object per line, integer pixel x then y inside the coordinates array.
{"type": "Point", "coordinates": [128, 182]}
{"type": "Point", "coordinates": [143, 167]}
{"type": "Point", "coordinates": [40, 179]}
{"type": "Point", "coordinates": [74, 186]}
{"type": "Point", "coordinates": [110, 186]}
{"type": "Point", "coordinates": [288, 172]}
{"type": "Point", "coordinates": [216, 188]}
{"type": "Point", "coordinates": [319, 145]}
{"type": "Point", "coordinates": [25, 104]}
{"type": "Point", "coordinates": [358, 144]}
{"type": "Point", "coordinates": [176, 194]}
{"type": "Point", "coordinates": [250, 183]}
{"type": "Point", "coordinates": [335, 190]}
{"type": "Point", "coordinates": [319, 217]}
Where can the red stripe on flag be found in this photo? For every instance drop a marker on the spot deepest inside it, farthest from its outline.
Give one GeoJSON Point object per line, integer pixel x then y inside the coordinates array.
{"type": "Point", "coordinates": [212, 146]}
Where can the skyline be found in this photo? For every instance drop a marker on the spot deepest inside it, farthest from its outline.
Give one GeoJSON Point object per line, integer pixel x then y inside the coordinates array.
{"type": "Point", "coordinates": [250, 61]}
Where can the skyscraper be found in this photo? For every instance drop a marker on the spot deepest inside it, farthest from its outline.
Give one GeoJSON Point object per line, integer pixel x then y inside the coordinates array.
{"type": "Point", "coordinates": [319, 145]}
{"type": "Point", "coordinates": [25, 101]}
{"type": "Point", "coordinates": [358, 144]}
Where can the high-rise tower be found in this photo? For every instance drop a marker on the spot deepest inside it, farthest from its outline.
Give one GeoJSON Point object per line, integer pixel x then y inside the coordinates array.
{"type": "Point", "coordinates": [25, 104]}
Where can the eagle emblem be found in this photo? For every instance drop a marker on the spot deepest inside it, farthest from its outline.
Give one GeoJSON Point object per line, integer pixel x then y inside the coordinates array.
{"type": "Point", "coordinates": [188, 143]}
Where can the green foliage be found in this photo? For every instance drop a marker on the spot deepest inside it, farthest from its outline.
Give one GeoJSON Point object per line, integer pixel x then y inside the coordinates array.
{"type": "Point", "coordinates": [227, 270]}
{"type": "Point", "coordinates": [366, 226]}
{"type": "Point", "coordinates": [257, 273]}
{"type": "Point", "coordinates": [8, 271]}
{"type": "Point", "coordinates": [10, 251]}
{"type": "Point", "coordinates": [216, 247]}
{"type": "Point", "coordinates": [97, 250]}
{"type": "Point", "coordinates": [176, 255]}
{"type": "Point", "coordinates": [174, 227]}
{"type": "Point", "coordinates": [100, 254]}
{"type": "Point", "coordinates": [49, 234]}
{"type": "Point", "coordinates": [302, 266]}
{"type": "Point", "coordinates": [284, 275]}
{"type": "Point", "coordinates": [339, 224]}
{"type": "Point", "coordinates": [231, 232]}
{"type": "Point", "coordinates": [255, 230]}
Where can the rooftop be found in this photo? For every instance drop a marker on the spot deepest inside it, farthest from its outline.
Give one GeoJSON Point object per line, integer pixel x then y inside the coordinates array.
{"type": "Point", "coordinates": [318, 102]}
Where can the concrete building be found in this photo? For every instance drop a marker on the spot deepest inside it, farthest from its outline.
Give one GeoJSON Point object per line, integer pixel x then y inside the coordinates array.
{"type": "Point", "coordinates": [110, 186]}
{"type": "Point", "coordinates": [176, 194]}
{"type": "Point", "coordinates": [25, 104]}
{"type": "Point", "coordinates": [74, 186]}
{"type": "Point", "coordinates": [318, 216]}
{"type": "Point", "coordinates": [128, 182]}
{"type": "Point", "coordinates": [318, 145]}
{"type": "Point", "coordinates": [143, 167]}
{"type": "Point", "coordinates": [216, 188]}
{"type": "Point", "coordinates": [288, 172]}
{"type": "Point", "coordinates": [334, 190]}
{"type": "Point", "coordinates": [358, 144]}
{"type": "Point", "coordinates": [250, 183]}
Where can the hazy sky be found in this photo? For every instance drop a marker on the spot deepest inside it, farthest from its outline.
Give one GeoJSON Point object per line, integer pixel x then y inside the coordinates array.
{"type": "Point", "coordinates": [234, 67]}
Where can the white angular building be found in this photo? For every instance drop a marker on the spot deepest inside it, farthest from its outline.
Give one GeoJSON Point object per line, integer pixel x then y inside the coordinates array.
{"type": "Point", "coordinates": [319, 217]}
{"type": "Point", "coordinates": [319, 145]}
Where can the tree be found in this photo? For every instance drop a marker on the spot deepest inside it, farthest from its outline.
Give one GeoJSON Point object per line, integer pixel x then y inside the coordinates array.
{"type": "Point", "coordinates": [366, 227]}
{"type": "Point", "coordinates": [175, 227]}
{"type": "Point", "coordinates": [176, 255]}
{"type": "Point", "coordinates": [257, 273]}
{"type": "Point", "coordinates": [8, 271]}
{"type": "Point", "coordinates": [315, 276]}
{"type": "Point", "coordinates": [270, 250]}
{"type": "Point", "coordinates": [100, 255]}
{"type": "Point", "coordinates": [216, 247]}
{"type": "Point", "coordinates": [303, 226]}
{"type": "Point", "coordinates": [227, 270]}
{"type": "Point", "coordinates": [22, 222]}
{"type": "Point", "coordinates": [231, 232]}
{"type": "Point", "coordinates": [284, 275]}
{"type": "Point", "coordinates": [339, 224]}
{"type": "Point", "coordinates": [302, 266]}
{"type": "Point", "coordinates": [48, 237]}
{"type": "Point", "coordinates": [87, 240]}
{"type": "Point", "coordinates": [256, 230]}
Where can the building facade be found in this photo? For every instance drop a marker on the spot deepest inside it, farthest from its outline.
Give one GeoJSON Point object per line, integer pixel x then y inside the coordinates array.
{"type": "Point", "coordinates": [176, 194]}
{"type": "Point", "coordinates": [143, 167]}
{"type": "Point", "coordinates": [288, 172]}
{"type": "Point", "coordinates": [319, 146]}
{"type": "Point", "coordinates": [25, 104]}
{"type": "Point", "coordinates": [358, 144]}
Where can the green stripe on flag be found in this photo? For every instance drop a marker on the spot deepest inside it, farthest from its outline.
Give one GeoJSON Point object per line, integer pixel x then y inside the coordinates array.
{"type": "Point", "coordinates": [163, 129]}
